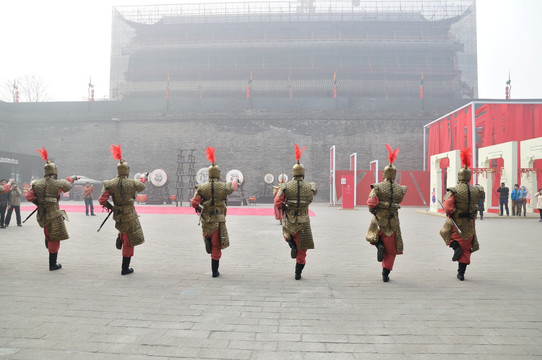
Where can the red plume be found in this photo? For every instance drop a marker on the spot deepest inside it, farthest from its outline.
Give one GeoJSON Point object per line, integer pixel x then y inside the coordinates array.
{"type": "Point", "coordinates": [299, 152]}
{"type": "Point", "coordinates": [116, 152]}
{"type": "Point", "coordinates": [392, 154]}
{"type": "Point", "coordinates": [210, 154]}
{"type": "Point", "coordinates": [466, 156]}
{"type": "Point", "coordinates": [43, 153]}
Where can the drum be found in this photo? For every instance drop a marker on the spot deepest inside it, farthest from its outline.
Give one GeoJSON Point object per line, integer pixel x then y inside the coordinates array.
{"type": "Point", "coordinates": [158, 177]}
{"type": "Point", "coordinates": [235, 176]}
{"type": "Point", "coordinates": [202, 176]}
{"type": "Point", "coordinates": [268, 178]}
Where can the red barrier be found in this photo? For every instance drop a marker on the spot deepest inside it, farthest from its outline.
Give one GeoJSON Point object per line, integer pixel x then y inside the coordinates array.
{"type": "Point", "coordinates": [417, 183]}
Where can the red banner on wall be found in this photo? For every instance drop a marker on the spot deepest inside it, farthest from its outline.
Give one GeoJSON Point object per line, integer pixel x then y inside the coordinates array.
{"type": "Point", "coordinates": [494, 124]}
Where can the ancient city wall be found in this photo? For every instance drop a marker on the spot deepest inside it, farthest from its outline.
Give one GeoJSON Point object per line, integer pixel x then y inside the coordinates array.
{"type": "Point", "coordinates": [256, 142]}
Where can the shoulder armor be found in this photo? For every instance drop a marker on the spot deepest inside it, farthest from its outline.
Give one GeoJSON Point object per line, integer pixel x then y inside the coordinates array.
{"type": "Point", "coordinates": [313, 187]}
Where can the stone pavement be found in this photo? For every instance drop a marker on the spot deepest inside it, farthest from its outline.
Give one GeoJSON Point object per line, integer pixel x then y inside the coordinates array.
{"type": "Point", "coordinates": [172, 308]}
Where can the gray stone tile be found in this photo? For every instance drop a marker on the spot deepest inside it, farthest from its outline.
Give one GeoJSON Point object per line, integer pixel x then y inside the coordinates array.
{"type": "Point", "coordinates": [172, 308]}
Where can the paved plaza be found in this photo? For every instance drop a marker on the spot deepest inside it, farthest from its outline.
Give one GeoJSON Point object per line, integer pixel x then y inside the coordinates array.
{"type": "Point", "coordinates": [172, 308]}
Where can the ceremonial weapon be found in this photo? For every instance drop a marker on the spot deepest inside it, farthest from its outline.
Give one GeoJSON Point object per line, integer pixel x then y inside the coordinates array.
{"type": "Point", "coordinates": [105, 220]}
{"type": "Point", "coordinates": [32, 213]}
{"type": "Point", "coordinates": [199, 214]}
{"type": "Point", "coordinates": [449, 217]}
{"type": "Point", "coordinates": [376, 221]}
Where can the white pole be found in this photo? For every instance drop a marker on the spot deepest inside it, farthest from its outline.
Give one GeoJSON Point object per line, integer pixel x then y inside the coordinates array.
{"type": "Point", "coordinates": [332, 192]}
{"type": "Point", "coordinates": [355, 169]}
{"type": "Point", "coordinates": [376, 169]}
{"type": "Point", "coordinates": [424, 149]}
{"type": "Point", "coordinates": [474, 155]}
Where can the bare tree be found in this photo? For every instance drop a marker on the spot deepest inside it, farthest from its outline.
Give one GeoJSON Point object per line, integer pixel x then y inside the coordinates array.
{"type": "Point", "coordinates": [33, 89]}
{"type": "Point", "coordinates": [30, 88]}
{"type": "Point", "coordinates": [8, 91]}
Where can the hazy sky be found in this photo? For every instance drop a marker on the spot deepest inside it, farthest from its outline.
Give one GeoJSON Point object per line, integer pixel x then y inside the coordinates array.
{"type": "Point", "coordinates": [66, 42]}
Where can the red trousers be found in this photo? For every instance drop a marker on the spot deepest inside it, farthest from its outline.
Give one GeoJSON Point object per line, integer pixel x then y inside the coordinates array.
{"type": "Point", "coordinates": [127, 249]}
{"type": "Point", "coordinates": [216, 245]}
{"type": "Point", "coordinates": [390, 250]}
{"type": "Point", "coordinates": [301, 254]}
{"type": "Point", "coordinates": [52, 246]}
{"type": "Point", "coordinates": [466, 246]}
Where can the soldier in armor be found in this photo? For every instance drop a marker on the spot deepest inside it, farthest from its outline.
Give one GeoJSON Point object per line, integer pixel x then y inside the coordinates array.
{"type": "Point", "coordinates": [384, 231]}
{"type": "Point", "coordinates": [460, 205]}
{"type": "Point", "coordinates": [210, 202]}
{"type": "Point", "coordinates": [279, 214]}
{"type": "Point", "coordinates": [123, 190]}
{"type": "Point", "coordinates": [45, 193]}
{"type": "Point", "coordinates": [294, 198]}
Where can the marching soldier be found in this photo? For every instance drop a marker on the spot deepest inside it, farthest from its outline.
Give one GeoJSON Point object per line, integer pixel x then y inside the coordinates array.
{"type": "Point", "coordinates": [45, 193]}
{"type": "Point", "coordinates": [279, 213]}
{"type": "Point", "coordinates": [123, 190]}
{"type": "Point", "coordinates": [294, 198]}
{"type": "Point", "coordinates": [384, 231]}
{"type": "Point", "coordinates": [460, 205]}
{"type": "Point", "coordinates": [210, 202]}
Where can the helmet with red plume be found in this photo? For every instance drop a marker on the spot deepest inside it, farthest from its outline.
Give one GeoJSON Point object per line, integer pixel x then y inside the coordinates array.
{"type": "Point", "coordinates": [298, 169]}
{"type": "Point", "coordinates": [464, 173]}
{"type": "Point", "coordinates": [123, 168]}
{"type": "Point", "coordinates": [49, 167]}
{"type": "Point", "coordinates": [390, 172]}
{"type": "Point", "coordinates": [214, 170]}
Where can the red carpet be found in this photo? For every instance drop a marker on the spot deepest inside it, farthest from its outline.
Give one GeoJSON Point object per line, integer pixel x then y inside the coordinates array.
{"type": "Point", "coordinates": [166, 209]}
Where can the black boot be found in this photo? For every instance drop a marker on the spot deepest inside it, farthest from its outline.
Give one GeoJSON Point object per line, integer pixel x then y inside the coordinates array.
{"type": "Point", "coordinates": [298, 269]}
{"type": "Point", "coordinates": [379, 251]}
{"type": "Point", "coordinates": [52, 262]}
{"type": "Point", "coordinates": [385, 275]}
{"type": "Point", "coordinates": [126, 269]}
{"type": "Point", "coordinates": [293, 247]}
{"type": "Point", "coordinates": [461, 271]}
{"type": "Point", "coordinates": [208, 245]}
{"type": "Point", "coordinates": [457, 250]}
{"type": "Point", "coordinates": [214, 267]}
